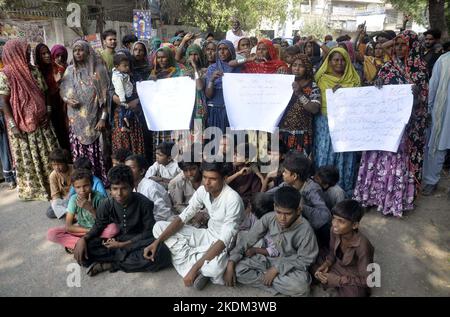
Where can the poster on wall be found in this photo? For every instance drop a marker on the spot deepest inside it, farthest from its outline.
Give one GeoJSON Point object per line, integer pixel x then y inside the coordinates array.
{"type": "Point", "coordinates": [94, 40]}
{"type": "Point", "coordinates": [32, 32]}
{"type": "Point", "coordinates": [142, 24]}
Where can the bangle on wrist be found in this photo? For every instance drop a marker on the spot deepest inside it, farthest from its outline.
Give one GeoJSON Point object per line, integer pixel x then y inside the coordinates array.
{"type": "Point", "coordinates": [11, 123]}
{"type": "Point", "coordinates": [49, 108]}
{"type": "Point", "coordinates": [304, 100]}
{"type": "Point", "coordinates": [211, 84]}
{"type": "Point", "coordinates": [241, 60]}
{"type": "Point", "coordinates": [104, 116]}
{"type": "Point", "coordinates": [196, 76]}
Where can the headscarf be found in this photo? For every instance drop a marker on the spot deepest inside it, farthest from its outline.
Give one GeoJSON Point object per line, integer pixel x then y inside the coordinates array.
{"type": "Point", "coordinates": [27, 99]}
{"type": "Point", "coordinates": [156, 43]}
{"type": "Point", "coordinates": [325, 80]}
{"type": "Point", "coordinates": [309, 72]}
{"type": "Point", "coordinates": [173, 70]}
{"type": "Point", "coordinates": [269, 67]}
{"type": "Point", "coordinates": [46, 69]}
{"type": "Point", "coordinates": [169, 45]}
{"type": "Point", "coordinates": [194, 48]}
{"type": "Point", "coordinates": [174, 39]}
{"type": "Point", "coordinates": [372, 64]}
{"type": "Point", "coordinates": [222, 65]}
{"type": "Point", "coordinates": [141, 70]}
{"type": "Point", "coordinates": [88, 83]}
{"type": "Point", "coordinates": [350, 50]}
{"type": "Point", "coordinates": [413, 70]}
{"type": "Point", "coordinates": [59, 50]}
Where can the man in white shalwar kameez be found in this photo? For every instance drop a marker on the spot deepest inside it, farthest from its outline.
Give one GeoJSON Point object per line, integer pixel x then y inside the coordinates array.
{"type": "Point", "coordinates": [200, 255]}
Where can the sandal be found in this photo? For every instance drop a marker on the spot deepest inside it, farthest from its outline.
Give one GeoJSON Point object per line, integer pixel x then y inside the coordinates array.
{"type": "Point", "coordinates": [96, 268]}
{"type": "Point", "coordinates": [68, 250]}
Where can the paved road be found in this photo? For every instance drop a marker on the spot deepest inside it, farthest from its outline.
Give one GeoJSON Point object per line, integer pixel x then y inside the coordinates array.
{"type": "Point", "coordinates": [413, 253]}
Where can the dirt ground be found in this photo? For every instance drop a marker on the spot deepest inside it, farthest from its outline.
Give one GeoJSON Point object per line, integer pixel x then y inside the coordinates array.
{"type": "Point", "coordinates": [413, 253]}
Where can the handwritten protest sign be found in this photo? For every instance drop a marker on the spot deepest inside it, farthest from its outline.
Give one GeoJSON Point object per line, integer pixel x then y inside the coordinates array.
{"type": "Point", "coordinates": [256, 101]}
{"type": "Point", "coordinates": [167, 103]}
{"type": "Point", "coordinates": [368, 118]}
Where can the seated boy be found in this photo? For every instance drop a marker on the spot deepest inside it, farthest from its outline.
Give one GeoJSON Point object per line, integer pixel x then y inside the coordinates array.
{"type": "Point", "coordinates": [59, 180]}
{"type": "Point", "coordinates": [244, 179]}
{"type": "Point", "coordinates": [275, 177]}
{"type": "Point", "coordinates": [97, 184]}
{"type": "Point", "coordinates": [296, 173]}
{"type": "Point", "coordinates": [119, 156]}
{"type": "Point", "coordinates": [149, 188]}
{"type": "Point", "coordinates": [295, 241]}
{"type": "Point", "coordinates": [165, 168]}
{"type": "Point", "coordinates": [328, 177]}
{"type": "Point", "coordinates": [133, 213]}
{"type": "Point", "coordinates": [200, 255]}
{"type": "Point", "coordinates": [83, 206]}
{"type": "Point", "coordinates": [258, 205]}
{"type": "Point", "coordinates": [350, 253]}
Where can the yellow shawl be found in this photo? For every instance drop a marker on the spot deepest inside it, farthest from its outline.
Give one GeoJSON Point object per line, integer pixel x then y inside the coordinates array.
{"type": "Point", "coordinates": [325, 80]}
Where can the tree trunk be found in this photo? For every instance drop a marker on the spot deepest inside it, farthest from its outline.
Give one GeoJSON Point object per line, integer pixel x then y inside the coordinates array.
{"type": "Point", "coordinates": [437, 17]}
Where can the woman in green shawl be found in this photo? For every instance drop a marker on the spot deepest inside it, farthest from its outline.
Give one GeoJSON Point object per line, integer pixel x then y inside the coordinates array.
{"type": "Point", "coordinates": [336, 72]}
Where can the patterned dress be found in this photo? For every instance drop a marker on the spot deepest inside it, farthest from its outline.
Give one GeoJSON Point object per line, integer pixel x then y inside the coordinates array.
{"type": "Point", "coordinates": [389, 180]}
{"type": "Point", "coordinates": [30, 153]}
{"type": "Point", "coordinates": [296, 126]}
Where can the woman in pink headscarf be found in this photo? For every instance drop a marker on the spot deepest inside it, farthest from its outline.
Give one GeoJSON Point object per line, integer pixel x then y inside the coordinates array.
{"type": "Point", "coordinates": [22, 89]}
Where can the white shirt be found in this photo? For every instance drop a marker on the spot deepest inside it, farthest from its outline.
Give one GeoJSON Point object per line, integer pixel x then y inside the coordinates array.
{"type": "Point", "coordinates": [234, 38]}
{"type": "Point", "coordinates": [225, 211]}
{"type": "Point", "coordinates": [162, 209]}
{"type": "Point", "coordinates": [168, 171]}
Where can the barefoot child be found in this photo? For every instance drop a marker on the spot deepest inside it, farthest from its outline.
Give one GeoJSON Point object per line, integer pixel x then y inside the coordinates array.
{"type": "Point", "coordinates": [59, 180]}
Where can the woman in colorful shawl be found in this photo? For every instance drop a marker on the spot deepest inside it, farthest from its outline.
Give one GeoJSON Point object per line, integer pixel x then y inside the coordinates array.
{"type": "Point", "coordinates": [266, 60]}
{"type": "Point", "coordinates": [84, 88]}
{"type": "Point", "coordinates": [52, 75]}
{"type": "Point", "coordinates": [60, 56]}
{"type": "Point", "coordinates": [217, 114]}
{"type": "Point", "coordinates": [389, 180]}
{"type": "Point", "coordinates": [22, 89]}
{"type": "Point", "coordinates": [155, 45]}
{"type": "Point", "coordinates": [296, 125]}
{"type": "Point", "coordinates": [165, 67]}
{"type": "Point", "coordinates": [336, 71]}
{"type": "Point", "coordinates": [133, 139]}
{"type": "Point", "coordinates": [195, 68]}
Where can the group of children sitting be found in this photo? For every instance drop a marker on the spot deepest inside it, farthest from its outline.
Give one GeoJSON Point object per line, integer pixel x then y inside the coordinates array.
{"type": "Point", "coordinates": [329, 247]}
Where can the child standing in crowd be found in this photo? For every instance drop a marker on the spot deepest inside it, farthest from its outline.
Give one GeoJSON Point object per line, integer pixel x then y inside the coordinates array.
{"type": "Point", "coordinates": [328, 177]}
{"type": "Point", "coordinates": [59, 180]}
{"type": "Point", "coordinates": [123, 88]}
{"type": "Point", "coordinates": [97, 184]}
{"type": "Point", "coordinates": [350, 254]}
{"type": "Point", "coordinates": [165, 168]}
{"type": "Point", "coordinates": [119, 156]}
{"type": "Point", "coordinates": [82, 207]}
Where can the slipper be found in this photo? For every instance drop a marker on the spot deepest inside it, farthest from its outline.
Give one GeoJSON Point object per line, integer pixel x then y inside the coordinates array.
{"type": "Point", "coordinates": [96, 268]}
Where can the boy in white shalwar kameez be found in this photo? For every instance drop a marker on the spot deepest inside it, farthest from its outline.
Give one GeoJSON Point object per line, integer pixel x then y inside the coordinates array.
{"type": "Point", "coordinates": [200, 255]}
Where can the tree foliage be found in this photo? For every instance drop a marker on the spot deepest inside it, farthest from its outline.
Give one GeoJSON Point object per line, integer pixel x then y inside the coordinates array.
{"type": "Point", "coordinates": [215, 15]}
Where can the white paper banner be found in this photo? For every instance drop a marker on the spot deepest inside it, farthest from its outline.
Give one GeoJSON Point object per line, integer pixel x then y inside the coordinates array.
{"type": "Point", "coordinates": [368, 118]}
{"type": "Point", "coordinates": [256, 101]}
{"type": "Point", "coordinates": [167, 103]}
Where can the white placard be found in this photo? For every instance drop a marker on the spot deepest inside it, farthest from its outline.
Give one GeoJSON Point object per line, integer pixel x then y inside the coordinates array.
{"type": "Point", "coordinates": [368, 118]}
{"type": "Point", "coordinates": [256, 101]}
{"type": "Point", "coordinates": [167, 103]}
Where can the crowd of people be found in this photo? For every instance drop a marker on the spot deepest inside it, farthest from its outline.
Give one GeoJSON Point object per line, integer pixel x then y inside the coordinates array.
{"type": "Point", "coordinates": [71, 127]}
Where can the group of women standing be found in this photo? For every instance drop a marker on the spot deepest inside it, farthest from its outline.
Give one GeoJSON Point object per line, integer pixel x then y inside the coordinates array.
{"type": "Point", "coordinates": [76, 102]}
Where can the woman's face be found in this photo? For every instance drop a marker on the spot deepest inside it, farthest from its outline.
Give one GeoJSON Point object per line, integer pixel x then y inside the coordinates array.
{"type": "Point", "coordinates": [244, 44]}
{"type": "Point", "coordinates": [60, 60]}
{"type": "Point", "coordinates": [139, 52]}
{"type": "Point", "coordinates": [162, 59]}
{"type": "Point", "coordinates": [309, 49]}
{"type": "Point", "coordinates": [193, 56]}
{"type": "Point", "coordinates": [298, 68]}
{"type": "Point", "coordinates": [79, 54]}
{"type": "Point", "coordinates": [210, 52]}
{"type": "Point", "coordinates": [378, 51]}
{"type": "Point", "coordinates": [337, 63]}
{"type": "Point", "coordinates": [401, 48]}
{"type": "Point", "coordinates": [45, 55]}
{"type": "Point", "coordinates": [262, 51]}
{"type": "Point", "coordinates": [370, 51]}
{"type": "Point", "coordinates": [224, 53]}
